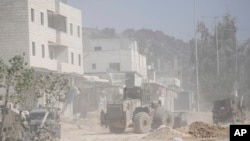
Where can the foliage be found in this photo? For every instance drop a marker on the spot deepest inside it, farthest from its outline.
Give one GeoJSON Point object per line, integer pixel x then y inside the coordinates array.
{"type": "Point", "coordinates": [53, 87]}
{"type": "Point", "coordinates": [22, 80]}
{"type": "Point", "coordinates": [15, 75]}
{"type": "Point", "coordinates": [243, 70]}
{"type": "Point", "coordinates": [22, 87]}
{"type": "Point", "coordinates": [213, 85]}
{"type": "Point", "coordinates": [166, 54]}
{"type": "Point", "coordinates": [157, 45]}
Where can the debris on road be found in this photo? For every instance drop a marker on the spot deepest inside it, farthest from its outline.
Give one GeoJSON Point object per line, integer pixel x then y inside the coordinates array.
{"type": "Point", "coordinates": [203, 130]}
{"type": "Point", "coordinates": [165, 133]}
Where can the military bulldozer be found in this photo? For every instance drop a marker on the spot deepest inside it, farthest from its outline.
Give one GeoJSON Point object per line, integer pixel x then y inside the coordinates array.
{"type": "Point", "coordinates": [229, 110]}
{"type": "Point", "coordinates": [45, 124]}
{"type": "Point", "coordinates": [138, 109]}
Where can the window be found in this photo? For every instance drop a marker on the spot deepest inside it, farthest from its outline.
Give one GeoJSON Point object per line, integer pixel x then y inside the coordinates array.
{"type": "Point", "coordinates": [51, 56]}
{"type": "Point", "coordinates": [71, 29]}
{"type": "Point", "coordinates": [43, 51]}
{"type": "Point", "coordinates": [114, 66]}
{"type": "Point", "coordinates": [51, 20]}
{"type": "Point", "coordinates": [56, 21]}
{"type": "Point", "coordinates": [32, 15]}
{"type": "Point", "coordinates": [79, 60]}
{"type": "Point", "coordinates": [33, 49]}
{"type": "Point", "coordinates": [93, 66]}
{"type": "Point", "coordinates": [42, 18]}
{"type": "Point", "coordinates": [72, 58]}
{"type": "Point", "coordinates": [61, 23]}
{"type": "Point", "coordinates": [78, 31]}
{"type": "Point", "coordinates": [51, 53]}
{"type": "Point", "coordinates": [97, 48]}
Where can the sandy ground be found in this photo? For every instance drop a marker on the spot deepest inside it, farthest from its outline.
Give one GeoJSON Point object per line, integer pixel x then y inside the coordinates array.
{"type": "Point", "coordinates": [89, 129]}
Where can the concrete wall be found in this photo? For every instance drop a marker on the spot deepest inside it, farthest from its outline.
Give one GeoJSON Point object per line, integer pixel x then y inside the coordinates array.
{"type": "Point", "coordinates": [111, 44]}
{"type": "Point", "coordinates": [18, 31]}
{"type": "Point", "coordinates": [102, 59]}
{"type": "Point", "coordinates": [119, 50]}
{"type": "Point", "coordinates": [13, 29]}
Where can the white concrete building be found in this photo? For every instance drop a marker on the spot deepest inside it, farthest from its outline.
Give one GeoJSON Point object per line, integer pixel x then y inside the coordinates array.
{"type": "Point", "coordinates": [47, 31]}
{"type": "Point", "coordinates": [113, 55]}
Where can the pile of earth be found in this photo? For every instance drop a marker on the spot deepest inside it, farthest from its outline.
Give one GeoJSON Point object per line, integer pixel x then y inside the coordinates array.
{"type": "Point", "coordinates": [203, 130]}
{"type": "Point", "coordinates": [165, 133]}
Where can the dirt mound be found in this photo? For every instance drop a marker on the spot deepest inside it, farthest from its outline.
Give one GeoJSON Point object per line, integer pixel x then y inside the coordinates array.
{"type": "Point", "coordinates": [203, 130]}
{"type": "Point", "coordinates": [165, 133]}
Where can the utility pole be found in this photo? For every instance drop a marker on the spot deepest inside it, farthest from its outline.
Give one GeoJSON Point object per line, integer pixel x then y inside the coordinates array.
{"type": "Point", "coordinates": [217, 47]}
{"type": "Point", "coordinates": [236, 83]}
{"type": "Point", "coordinates": [196, 62]}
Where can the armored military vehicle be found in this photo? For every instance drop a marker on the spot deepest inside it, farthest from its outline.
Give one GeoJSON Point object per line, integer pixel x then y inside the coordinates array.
{"type": "Point", "coordinates": [229, 110]}
{"type": "Point", "coordinates": [45, 124]}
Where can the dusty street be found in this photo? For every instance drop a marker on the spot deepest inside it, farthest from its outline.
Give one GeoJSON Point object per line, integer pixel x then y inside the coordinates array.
{"type": "Point", "coordinates": [89, 129]}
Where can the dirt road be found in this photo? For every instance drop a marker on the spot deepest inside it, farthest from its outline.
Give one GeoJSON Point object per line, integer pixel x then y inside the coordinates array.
{"type": "Point", "coordinates": [89, 129]}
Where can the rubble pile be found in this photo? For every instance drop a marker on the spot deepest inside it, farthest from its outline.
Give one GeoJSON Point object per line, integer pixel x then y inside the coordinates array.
{"type": "Point", "coordinates": [203, 130]}
{"type": "Point", "coordinates": [164, 133]}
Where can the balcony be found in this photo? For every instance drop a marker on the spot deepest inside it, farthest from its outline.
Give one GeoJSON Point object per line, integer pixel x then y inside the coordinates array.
{"type": "Point", "coordinates": [68, 68]}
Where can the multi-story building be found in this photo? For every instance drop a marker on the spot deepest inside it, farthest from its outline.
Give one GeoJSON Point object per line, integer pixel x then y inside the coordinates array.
{"type": "Point", "coordinates": [47, 31]}
{"type": "Point", "coordinates": [113, 55]}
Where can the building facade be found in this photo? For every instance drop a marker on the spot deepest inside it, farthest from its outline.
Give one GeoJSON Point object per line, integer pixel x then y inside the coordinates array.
{"type": "Point", "coordinates": [47, 31]}
{"type": "Point", "coordinates": [113, 55]}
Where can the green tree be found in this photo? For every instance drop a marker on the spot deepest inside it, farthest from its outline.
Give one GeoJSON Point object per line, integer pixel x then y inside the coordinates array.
{"type": "Point", "coordinates": [212, 85]}
{"type": "Point", "coordinates": [22, 86]}
{"type": "Point", "coordinates": [53, 88]}
{"type": "Point", "coordinates": [243, 70]}
{"type": "Point", "coordinates": [14, 76]}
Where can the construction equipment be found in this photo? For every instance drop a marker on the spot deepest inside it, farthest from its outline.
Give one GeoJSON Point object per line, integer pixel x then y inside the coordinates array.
{"type": "Point", "coordinates": [139, 108]}
{"type": "Point", "coordinates": [229, 110]}
{"type": "Point", "coordinates": [180, 119]}
{"type": "Point", "coordinates": [45, 124]}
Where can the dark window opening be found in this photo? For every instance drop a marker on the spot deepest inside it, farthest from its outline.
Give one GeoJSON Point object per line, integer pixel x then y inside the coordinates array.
{"type": "Point", "coordinates": [114, 66]}
{"type": "Point", "coordinates": [32, 15]}
{"type": "Point", "coordinates": [79, 59]}
{"type": "Point", "coordinates": [43, 51]}
{"type": "Point", "coordinates": [78, 31]}
{"type": "Point", "coordinates": [93, 66]}
{"type": "Point", "coordinates": [42, 18]}
{"type": "Point", "coordinates": [51, 19]}
{"type": "Point", "coordinates": [33, 48]}
{"type": "Point", "coordinates": [71, 29]}
{"type": "Point", "coordinates": [72, 58]}
{"type": "Point", "coordinates": [97, 48]}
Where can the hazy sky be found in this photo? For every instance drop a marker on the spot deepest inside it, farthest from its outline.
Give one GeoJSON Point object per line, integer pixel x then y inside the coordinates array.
{"type": "Point", "coordinates": [173, 17]}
